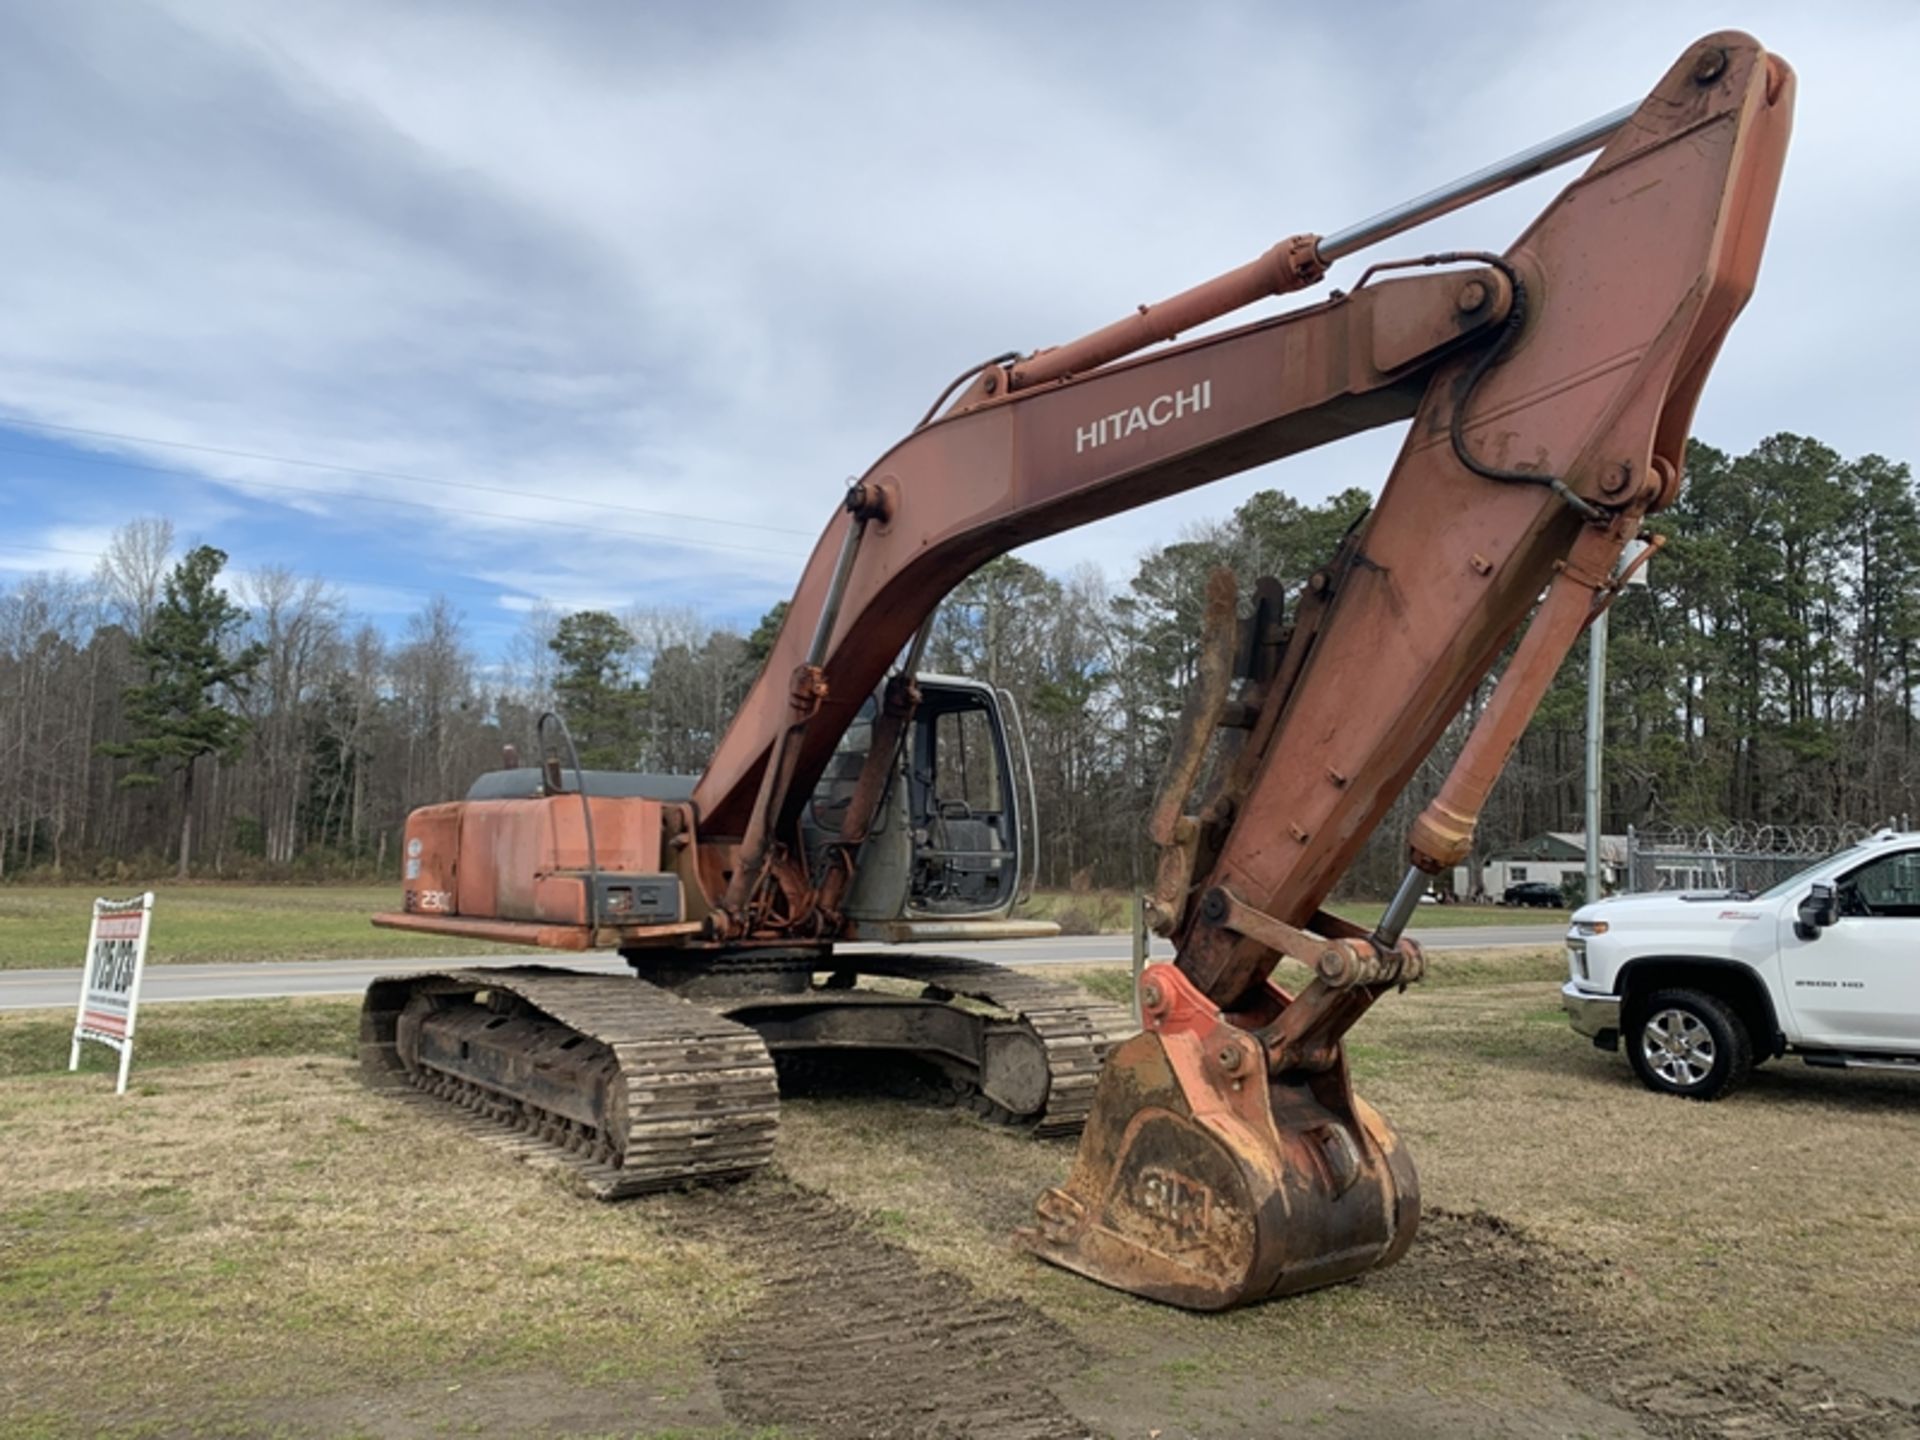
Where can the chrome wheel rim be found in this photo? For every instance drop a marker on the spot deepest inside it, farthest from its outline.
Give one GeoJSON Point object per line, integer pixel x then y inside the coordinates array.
{"type": "Point", "coordinates": [1678, 1047]}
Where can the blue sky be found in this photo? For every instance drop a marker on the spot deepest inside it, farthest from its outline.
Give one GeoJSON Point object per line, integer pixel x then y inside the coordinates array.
{"type": "Point", "coordinates": [661, 280]}
{"type": "Point", "coordinates": [388, 548]}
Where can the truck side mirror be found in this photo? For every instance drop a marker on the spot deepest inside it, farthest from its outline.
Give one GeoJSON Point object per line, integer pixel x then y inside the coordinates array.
{"type": "Point", "coordinates": [1820, 909]}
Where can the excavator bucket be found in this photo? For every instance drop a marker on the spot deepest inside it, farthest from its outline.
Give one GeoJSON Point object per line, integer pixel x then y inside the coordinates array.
{"type": "Point", "coordinates": [1202, 1184]}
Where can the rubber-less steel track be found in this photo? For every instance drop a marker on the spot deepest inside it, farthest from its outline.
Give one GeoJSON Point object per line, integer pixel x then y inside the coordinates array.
{"type": "Point", "coordinates": [1076, 1029]}
{"type": "Point", "coordinates": [701, 1099]}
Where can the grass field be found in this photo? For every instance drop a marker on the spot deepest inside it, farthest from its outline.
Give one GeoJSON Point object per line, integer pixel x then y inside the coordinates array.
{"type": "Point", "coordinates": [255, 1244]}
{"type": "Point", "coordinates": [46, 925]}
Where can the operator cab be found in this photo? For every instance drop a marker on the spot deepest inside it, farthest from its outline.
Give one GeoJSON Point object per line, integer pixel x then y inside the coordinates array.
{"type": "Point", "coordinates": [946, 841]}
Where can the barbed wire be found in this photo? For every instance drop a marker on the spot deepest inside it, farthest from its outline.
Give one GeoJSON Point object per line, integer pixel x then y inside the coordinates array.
{"type": "Point", "coordinates": [1739, 857]}
{"type": "Point", "coordinates": [1784, 841]}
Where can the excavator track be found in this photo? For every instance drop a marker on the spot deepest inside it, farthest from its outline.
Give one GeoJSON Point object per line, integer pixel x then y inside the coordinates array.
{"type": "Point", "coordinates": [646, 1090]}
{"type": "Point", "coordinates": [692, 1095]}
{"type": "Point", "coordinates": [1076, 1029]}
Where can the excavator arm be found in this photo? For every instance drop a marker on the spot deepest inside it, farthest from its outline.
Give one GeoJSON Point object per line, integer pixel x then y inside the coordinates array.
{"type": "Point", "coordinates": [1550, 389]}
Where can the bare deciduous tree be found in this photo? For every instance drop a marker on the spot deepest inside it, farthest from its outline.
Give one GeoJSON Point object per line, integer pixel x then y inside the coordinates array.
{"type": "Point", "coordinates": [133, 570]}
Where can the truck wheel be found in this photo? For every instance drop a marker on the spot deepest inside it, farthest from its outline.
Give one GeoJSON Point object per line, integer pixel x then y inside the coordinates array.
{"type": "Point", "coordinates": [1688, 1043]}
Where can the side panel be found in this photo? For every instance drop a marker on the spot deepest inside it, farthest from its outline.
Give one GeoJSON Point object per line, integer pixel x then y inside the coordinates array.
{"type": "Point", "coordinates": [521, 858]}
{"type": "Point", "coordinates": [430, 862]}
{"type": "Point", "coordinates": [491, 860]}
{"type": "Point", "coordinates": [886, 860]}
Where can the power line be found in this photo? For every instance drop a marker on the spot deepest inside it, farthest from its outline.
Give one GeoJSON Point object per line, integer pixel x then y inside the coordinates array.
{"type": "Point", "coordinates": [656, 538]}
{"type": "Point", "coordinates": [127, 439]}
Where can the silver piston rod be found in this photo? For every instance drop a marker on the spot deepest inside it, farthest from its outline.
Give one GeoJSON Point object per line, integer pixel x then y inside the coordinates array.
{"type": "Point", "coordinates": [1534, 160]}
{"type": "Point", "coordinates": [1292, 264]}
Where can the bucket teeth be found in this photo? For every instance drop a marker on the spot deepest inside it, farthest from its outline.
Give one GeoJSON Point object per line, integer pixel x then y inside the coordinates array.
{"type": "Point", "coordinates": [1208, 1188]}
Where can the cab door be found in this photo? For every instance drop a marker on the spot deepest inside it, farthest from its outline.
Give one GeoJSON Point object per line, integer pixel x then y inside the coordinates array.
{"type": "Point", "coordinates": [946, 840]}
{"type": "Point", "coordinates": [965, 807]}
{"type": "Point", "coordinates": [1858, 984]}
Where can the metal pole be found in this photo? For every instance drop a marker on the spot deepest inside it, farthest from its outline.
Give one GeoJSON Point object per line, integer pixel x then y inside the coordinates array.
{"type": "Point", "coordinates": [1535, 160]}
{"type": "Point", "coordinates": [1140, 944]}
{"type": "Point", "coordinates": [1596, 695]}
{"type": "Point", "coordinates": [910, 667]}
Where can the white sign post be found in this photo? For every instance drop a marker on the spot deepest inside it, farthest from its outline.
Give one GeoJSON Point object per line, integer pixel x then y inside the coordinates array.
{"type": "Point", "coordinates": [110, 991]}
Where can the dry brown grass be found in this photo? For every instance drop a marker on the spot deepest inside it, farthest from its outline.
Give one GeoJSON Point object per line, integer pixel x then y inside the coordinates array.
{"type": "Point", "coordinates": [249, 1234]}
{"type": "Point", "coordinates": [1787, 1215]}
{"type": "Point", "coordinates": [36, 1041]}
{"type": "Point", "coordinates": [254, 1239]}
{"type": "Point", "coordinates": [1783, 1218]}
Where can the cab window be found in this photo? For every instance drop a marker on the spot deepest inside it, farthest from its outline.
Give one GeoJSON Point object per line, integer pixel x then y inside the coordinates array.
{"type": "Point", "coordinates": [966, 760]}
{"type": "Point", "coordinates": [1887, 887]}
{"type": "Point", "coordinates": [841, 777]}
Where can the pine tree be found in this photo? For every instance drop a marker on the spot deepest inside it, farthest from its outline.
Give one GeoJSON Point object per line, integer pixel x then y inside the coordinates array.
{"type": "Point", "coordinates": [603, 706]}
{"type": "Point", "coordinates": [177, 717]}
{"type": "Point", "coordinates": [761, 642]}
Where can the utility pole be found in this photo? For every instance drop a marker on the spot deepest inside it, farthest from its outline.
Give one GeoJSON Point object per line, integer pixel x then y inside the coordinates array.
{"type": "Point", "coordinates": [1596, 714]}
{"type": "Point", "coordinates": [1596, 729]}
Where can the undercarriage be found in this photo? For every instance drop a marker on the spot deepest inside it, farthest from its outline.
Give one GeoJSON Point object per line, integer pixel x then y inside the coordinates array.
{"type": "Point", "coordinates": [642, 1086]}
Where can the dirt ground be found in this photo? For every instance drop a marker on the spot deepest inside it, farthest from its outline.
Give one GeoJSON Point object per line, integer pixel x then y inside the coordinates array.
{"type": "Point", "coordinates": [263, 1247]}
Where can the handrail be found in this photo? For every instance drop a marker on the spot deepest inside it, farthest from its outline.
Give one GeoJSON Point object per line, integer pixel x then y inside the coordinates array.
{"type": "Point", "coordinates": [586, 811]}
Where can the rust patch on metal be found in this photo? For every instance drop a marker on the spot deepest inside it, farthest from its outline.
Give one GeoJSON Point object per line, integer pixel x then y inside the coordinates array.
{"type": "Point", "coordinates": [1202, 1183]}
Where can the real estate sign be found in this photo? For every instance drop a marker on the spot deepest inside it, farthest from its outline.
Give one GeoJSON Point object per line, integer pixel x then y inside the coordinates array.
{"type": "Point", "coordinates": [110, 991]}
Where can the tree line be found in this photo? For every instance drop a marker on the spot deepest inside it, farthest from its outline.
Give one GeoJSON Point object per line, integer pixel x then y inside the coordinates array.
{"type": "Point", "coordinates": [173, 710]}
{"type": "Point", "coordinates": [170, 711]}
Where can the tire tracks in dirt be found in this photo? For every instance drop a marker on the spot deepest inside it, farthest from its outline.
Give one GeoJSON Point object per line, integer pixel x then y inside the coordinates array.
{"type": "Point", "coordinates": [1478, 1273]}
{"type": "Point", "coordinates": [855, 1336]}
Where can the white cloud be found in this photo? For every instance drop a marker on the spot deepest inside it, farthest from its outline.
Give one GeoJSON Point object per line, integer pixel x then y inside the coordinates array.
{"type": "Point", "coordinates": [714, 261]}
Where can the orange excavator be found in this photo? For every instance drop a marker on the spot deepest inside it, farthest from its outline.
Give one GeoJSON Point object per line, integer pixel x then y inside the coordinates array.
{"type": "Point", "coordinates": [1224, 1157]}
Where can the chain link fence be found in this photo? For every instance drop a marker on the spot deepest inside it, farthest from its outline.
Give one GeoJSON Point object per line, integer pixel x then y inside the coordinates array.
{"type": "Point", "coordinates": [1734, 857]}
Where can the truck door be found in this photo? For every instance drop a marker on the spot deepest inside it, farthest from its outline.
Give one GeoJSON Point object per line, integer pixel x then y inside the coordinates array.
{"type": "Point", "coordinates": [1858, 984]}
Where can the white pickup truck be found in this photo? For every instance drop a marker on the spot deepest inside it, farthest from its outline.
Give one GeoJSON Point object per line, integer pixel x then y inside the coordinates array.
{"type": "Point", "coordinates": [1704, 987]}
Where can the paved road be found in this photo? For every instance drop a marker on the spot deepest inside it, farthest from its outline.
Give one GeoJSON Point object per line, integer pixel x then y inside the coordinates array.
{"type": "Point", "coordinates": [47, 989]}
